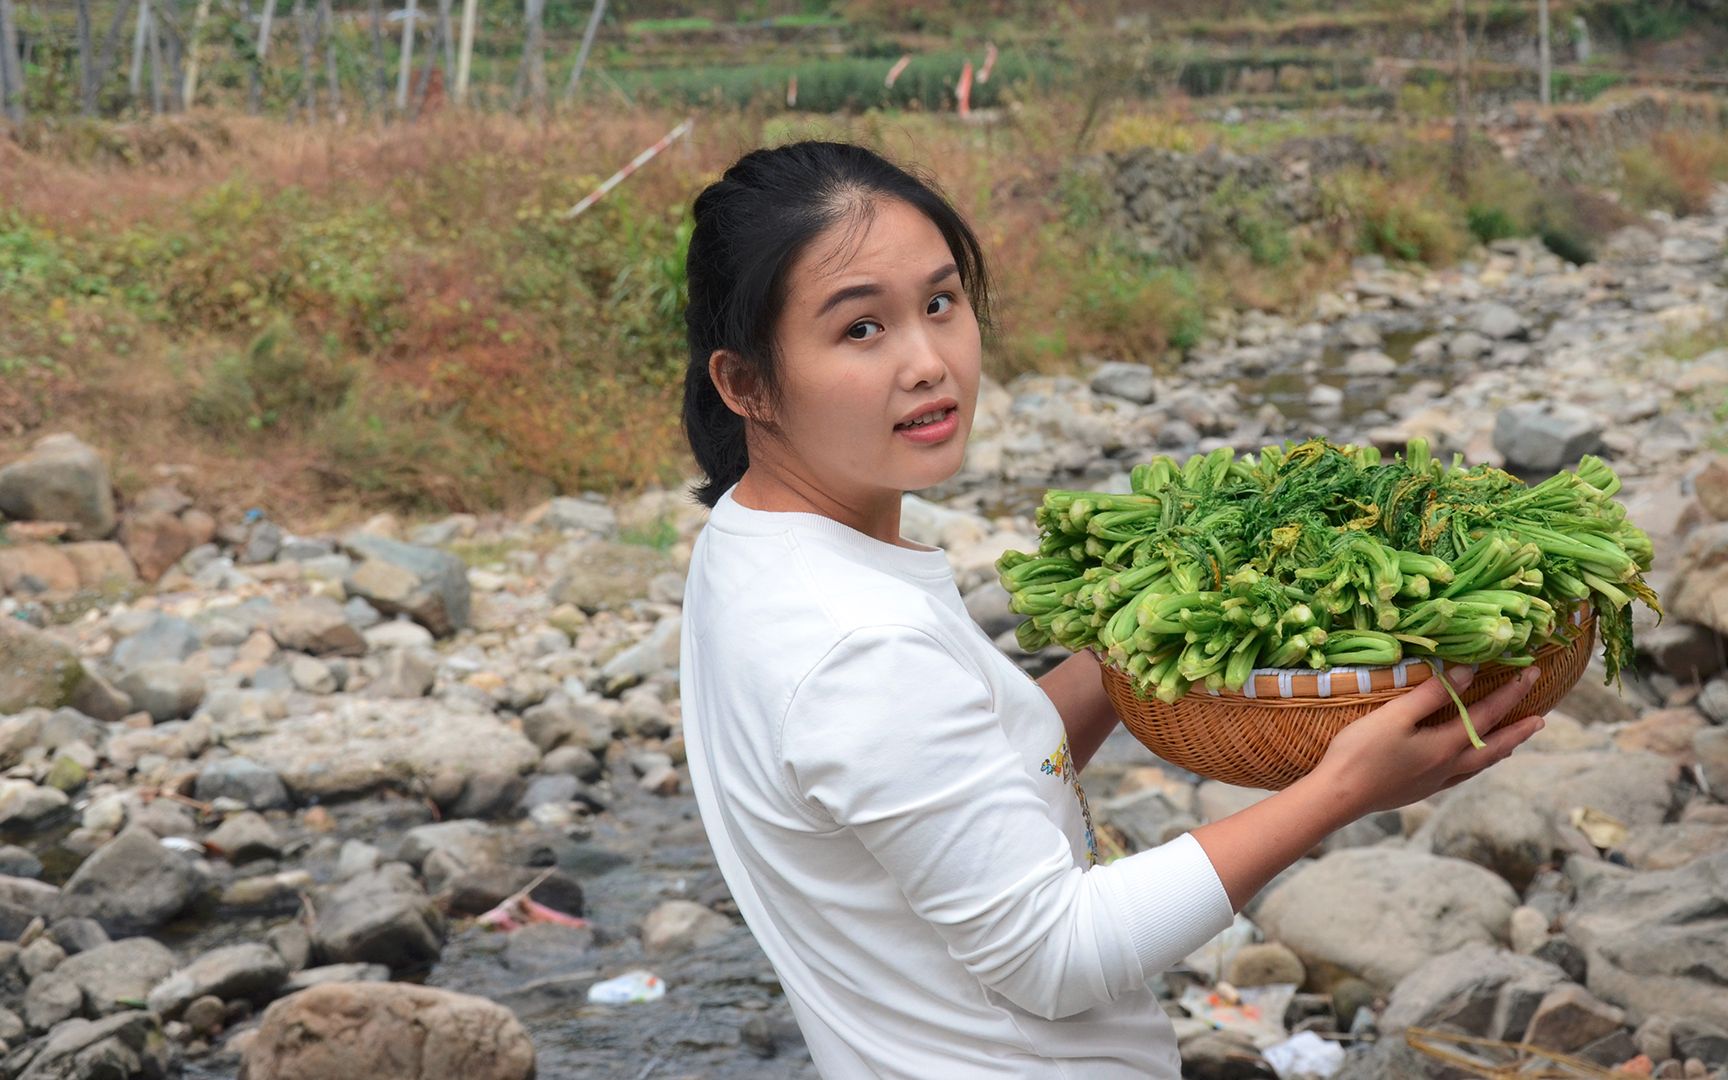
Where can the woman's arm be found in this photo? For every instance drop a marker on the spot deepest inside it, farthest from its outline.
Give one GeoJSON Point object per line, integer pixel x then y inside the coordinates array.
{"type": "Point", "coordinates": [1076, 688]}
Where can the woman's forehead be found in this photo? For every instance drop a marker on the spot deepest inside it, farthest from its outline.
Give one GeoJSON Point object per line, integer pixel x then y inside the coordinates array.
{"type": "Point", "coordinates": [894, 242]}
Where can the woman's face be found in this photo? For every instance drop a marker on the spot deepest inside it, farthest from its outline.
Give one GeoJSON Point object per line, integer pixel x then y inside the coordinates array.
{"type": "Point", "coordinates": [879, 358]}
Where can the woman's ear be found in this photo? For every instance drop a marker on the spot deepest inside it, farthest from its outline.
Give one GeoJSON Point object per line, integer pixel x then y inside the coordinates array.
{"type": "Point", "coordinates": [739, 387]}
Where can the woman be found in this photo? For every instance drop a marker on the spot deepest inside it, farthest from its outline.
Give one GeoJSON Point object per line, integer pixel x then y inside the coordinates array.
{"type": "Point", "coordinates": [894, 804]}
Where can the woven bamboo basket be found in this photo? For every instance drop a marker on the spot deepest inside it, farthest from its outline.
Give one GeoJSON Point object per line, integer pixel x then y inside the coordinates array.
{"type": "Point", "coordinates": [1277, 728]}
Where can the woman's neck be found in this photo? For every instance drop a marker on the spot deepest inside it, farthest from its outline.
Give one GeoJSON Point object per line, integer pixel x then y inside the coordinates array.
{"type": "Point", "coordinates": [764, 487]}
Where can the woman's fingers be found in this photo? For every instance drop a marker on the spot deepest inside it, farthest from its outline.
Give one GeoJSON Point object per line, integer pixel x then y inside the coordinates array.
{"type": "Point", "coordinates": [1407, 708]}
{"type": "Point", "coordinates": [1498, 746]}
{"type": "Point", "coordinates": [1487, 714]}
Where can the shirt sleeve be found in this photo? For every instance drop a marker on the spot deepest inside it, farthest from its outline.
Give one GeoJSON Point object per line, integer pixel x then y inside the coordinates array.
{"type": "Point", "coordinates": [898, 741]}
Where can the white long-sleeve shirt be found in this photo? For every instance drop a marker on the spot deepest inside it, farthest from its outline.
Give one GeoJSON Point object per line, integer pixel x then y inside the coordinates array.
{"type": "Point", "coordinates": [893, 806]}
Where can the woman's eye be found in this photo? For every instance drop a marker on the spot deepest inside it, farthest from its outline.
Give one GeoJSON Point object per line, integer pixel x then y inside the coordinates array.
{"type": "Point", "coordinates": [937, 299]}
{"type": "Point", "coordinates": [853, 332]}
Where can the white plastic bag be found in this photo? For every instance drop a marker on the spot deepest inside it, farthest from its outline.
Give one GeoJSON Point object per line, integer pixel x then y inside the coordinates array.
{"type": "Point", "coordinates": [632, 986]}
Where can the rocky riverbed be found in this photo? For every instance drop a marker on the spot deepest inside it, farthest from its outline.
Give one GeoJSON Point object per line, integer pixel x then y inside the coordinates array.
{"type": "Point", "coordinates": [279, 805]}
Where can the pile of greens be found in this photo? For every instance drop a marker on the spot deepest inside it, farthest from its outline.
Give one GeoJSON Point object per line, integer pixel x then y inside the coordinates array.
{"type": "Point", "coordinates": [1317, 555]}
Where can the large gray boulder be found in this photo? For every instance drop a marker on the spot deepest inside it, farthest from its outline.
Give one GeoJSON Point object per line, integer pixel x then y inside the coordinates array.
{"type": "Point", "coordinates": [1546, 436]}
{"type": "Point", "coordinates": [1657, 941]}
{"type": "Point", "coordinates": [379, 917]}
{"type": "Point", "coordinates": [250, 971]}
{"type": "Point", "coordinates": [117, 975]}
{"type": "Point", "coordinates": [1381, 913]}
{"type": "Point", "coordinates": [430, 585]}
{"type": "Point", "coordinates": [130, 885]}
{"type": "Point", "coordinates": [125, 1046]}
{"type": "Point", "coordinates": [60, 479]}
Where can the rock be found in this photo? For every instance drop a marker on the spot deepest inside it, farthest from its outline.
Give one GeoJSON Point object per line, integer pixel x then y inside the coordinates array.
{"type": "Point", "coordinates": [312, 675]}
{"type": "Point", "coordinates": [387, 1031]}
{"type": "Point", "coordinates": [1667, 732]}
{"type": "Point", "coordinates": [1495, 829]}
{"type": "Point", "coordinates": [1687, 651]}
{"type": "Point", "coordinates": [317, 625]}
{"type": "Point", "coordinates": [27, 899]}
{"type": "Point", "coordinates": [334, 973]}
{"type": "Point", "coordinates": [1264, 965]}
{"type": "Point", "coordinates": [1146, 818]}
{"type": "Point", "coordinates": [559, 720]}
{"type": "Point", "coordinates": [251, 971]}
{"type": "Point", "coordinates": [1700, 590]}
{"type": "Point", "coordinates": [398, 633]}
{"type": "Point", "coordinates": [1479, 989]}
{"type": "Point", "coordinates": [51, 999]}
{"type": "Point", "coordinates": [663, 781]}
{"type": "Point", "coordinates": [243, 780]}
{"type": "Point", "coordinates": [382, 917]}
{"type": "Point", "coordinates": [577, 761]}
{"type": "Point", "coordinates": [165, 689]}
{"type": "Point", "coordinates": [1713, 701]}
{"type": "Point", "coordinates": [1694, 1038]}
{"type": "Point", "coordinates": [1592, 702]}
{"type": "Point", "coordinates": [164, 637]}
{"type": "Point", "coordinates": [1380, 913]}
{"type": "Point", "coordinates": [1528, 929]}
{"type": "Point", "coordinates": [112, 975]}
{"type": "Point", "coordinates": [244, 837]}
{"type": "Point", "coordinates": [23, 805]}
{"type": "Point", "coordinates": [60, 479]}
{"type": "Point", "coordinates": [126, 1046]}
{"type": "Point", "coordinates": [430, 585]}
{"type": "Point", "coordinates": [605, 575]}
{"type": "Point", "coordinates": [405, 673]}
{"type": "Point", "coordinates": [1217, 800]}
{"type": "Point", "coordinates": [1656, 942]}
{"type": "Point", "coordinates": [36, 670]}
{"type": "Point", "coordinates": [1468, 346]}
{"type": "Point", "coordinates": [40, 957]}
{"type": "Point", "coordinates": [19, 862]}
{"type": "Point", "coordinates": [292, 942]}
{"type": "Point", "coordinates": [1130, 382]}
{"type": "Point", "coordinates": [155, 540]}
{"type": "Point", "coordinates": [1546, 436]}
{"type": "Point", "coordinates": [1664, 847]}
{"type": "Point", "coordinates": [656, 653]}
{"type": "Point", "coordinates": [1570, 1018]}
{"type": "Point", "coordinates": [1711, 487]}
{"type": "Point", "coordinates": [1710, 749]}
{"type": "Point", "coordinates": [1369, 364]}
{"type": "Point", "coordinates": [1634, 788]}
{"type": "Point", "coordinates": [205, 1015]}
{"type": "Point", "coordinates": [678, 926]}
{"type": "Point", "coordinates": [566, 514]}
{"type": "Point", "coordinates": [1323, 396]}
{"type": "Point", "coordinates": [470, 843]}
{"type": "Point", "coordinates": [359, 745]}
{"type": "Point", "coordinates": [30, 569]}
{"type": "Point", "coordinates": [131, 884]}
{"type": "Point", "coordinates": [1498, 321]}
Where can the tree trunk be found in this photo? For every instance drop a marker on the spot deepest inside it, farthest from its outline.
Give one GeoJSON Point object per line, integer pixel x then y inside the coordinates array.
{"type": "Point", "coordinates": [534, 54]}
{"type": "Point", "coordinates": [156, 95]}
{"type": "Point", "coordinates": [405, 63]}
{"type": "Point", "coordinates": [190, 90]}
{"type": "Point", "coordinates": [332, 77]}
{"type": "Point", "coordinates": [86, 61]}
{"type": "Point", "coordinates": [135, 81]}
{"type": "Point", "coordinates": [465, 54]}
{"type": "Point", "coordinates": [447, 37]}
{"type": "Point", "coordinates": [582, 54]}
{"type": "Point", "coordinates": [266, 23]}
{"type": "Point", "coordinates": [110, 47]}
{"type": "Point", "coordinates": [1544, 51]}
{"type": "Point", "coordinates": [11, 65]}
{"type": "Point", "coordinates": [423, 86]}
{"type": "Point", "coordinates": [1461, 82]}
{"type": "Point", "coordinates": [308, 85]}
{"type": "Point", "coordinates": [378, 83]}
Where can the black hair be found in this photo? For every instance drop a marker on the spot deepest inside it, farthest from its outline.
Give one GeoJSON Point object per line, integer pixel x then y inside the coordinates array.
{"type": "Point", "coordinates": [751, 225]}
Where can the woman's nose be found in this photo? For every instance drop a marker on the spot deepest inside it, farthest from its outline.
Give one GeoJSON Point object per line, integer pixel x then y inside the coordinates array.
{"type": "Point", "coordinates": [924, 364]}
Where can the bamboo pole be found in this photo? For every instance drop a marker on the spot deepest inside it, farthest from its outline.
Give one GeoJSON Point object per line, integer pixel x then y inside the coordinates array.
{"type": "Point", "coordinates": [465, 54]}
{"type": "Point", "coordinates": [332, 77]}
{"type": "Point", "coordinates": [447, 36]}
{"type": "Point", "coordinates": [405, 64]}
{"type": "Point", "coordinates": [587, 43]}
{"type": "Point", "coordinates": [135, 81]}
{"type": "Point", "coordinates": [534, 54]}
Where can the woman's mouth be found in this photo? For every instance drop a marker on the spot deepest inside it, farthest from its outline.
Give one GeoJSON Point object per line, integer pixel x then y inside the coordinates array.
{"type": "Point", "coordinates": [931, 427]}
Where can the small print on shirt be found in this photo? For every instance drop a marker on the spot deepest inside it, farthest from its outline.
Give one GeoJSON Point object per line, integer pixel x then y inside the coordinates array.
{"type": "Point", "coordinates": [1061, 765]}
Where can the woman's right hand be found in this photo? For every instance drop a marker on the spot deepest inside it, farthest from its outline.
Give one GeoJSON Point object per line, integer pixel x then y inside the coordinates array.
{"type": "Point", "coordinates": [1384, 760]}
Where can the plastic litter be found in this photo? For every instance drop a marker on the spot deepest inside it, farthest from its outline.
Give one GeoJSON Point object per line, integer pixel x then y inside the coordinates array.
{"type": "Point", "coordinates": [1304, 1054]}
{"type": "Point", "coordinates": [1256, 1012]}
{"type": "Point", "coordinates": [628, 988]}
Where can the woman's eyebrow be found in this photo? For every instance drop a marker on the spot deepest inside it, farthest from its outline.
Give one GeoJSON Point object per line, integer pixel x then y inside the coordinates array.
{"type": "Point", "coordinates": [853, 292]}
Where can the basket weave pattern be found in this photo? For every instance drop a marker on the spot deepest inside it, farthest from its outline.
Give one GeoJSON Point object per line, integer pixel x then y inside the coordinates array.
{"type": "Point", "coordinates": [1274, 737]}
